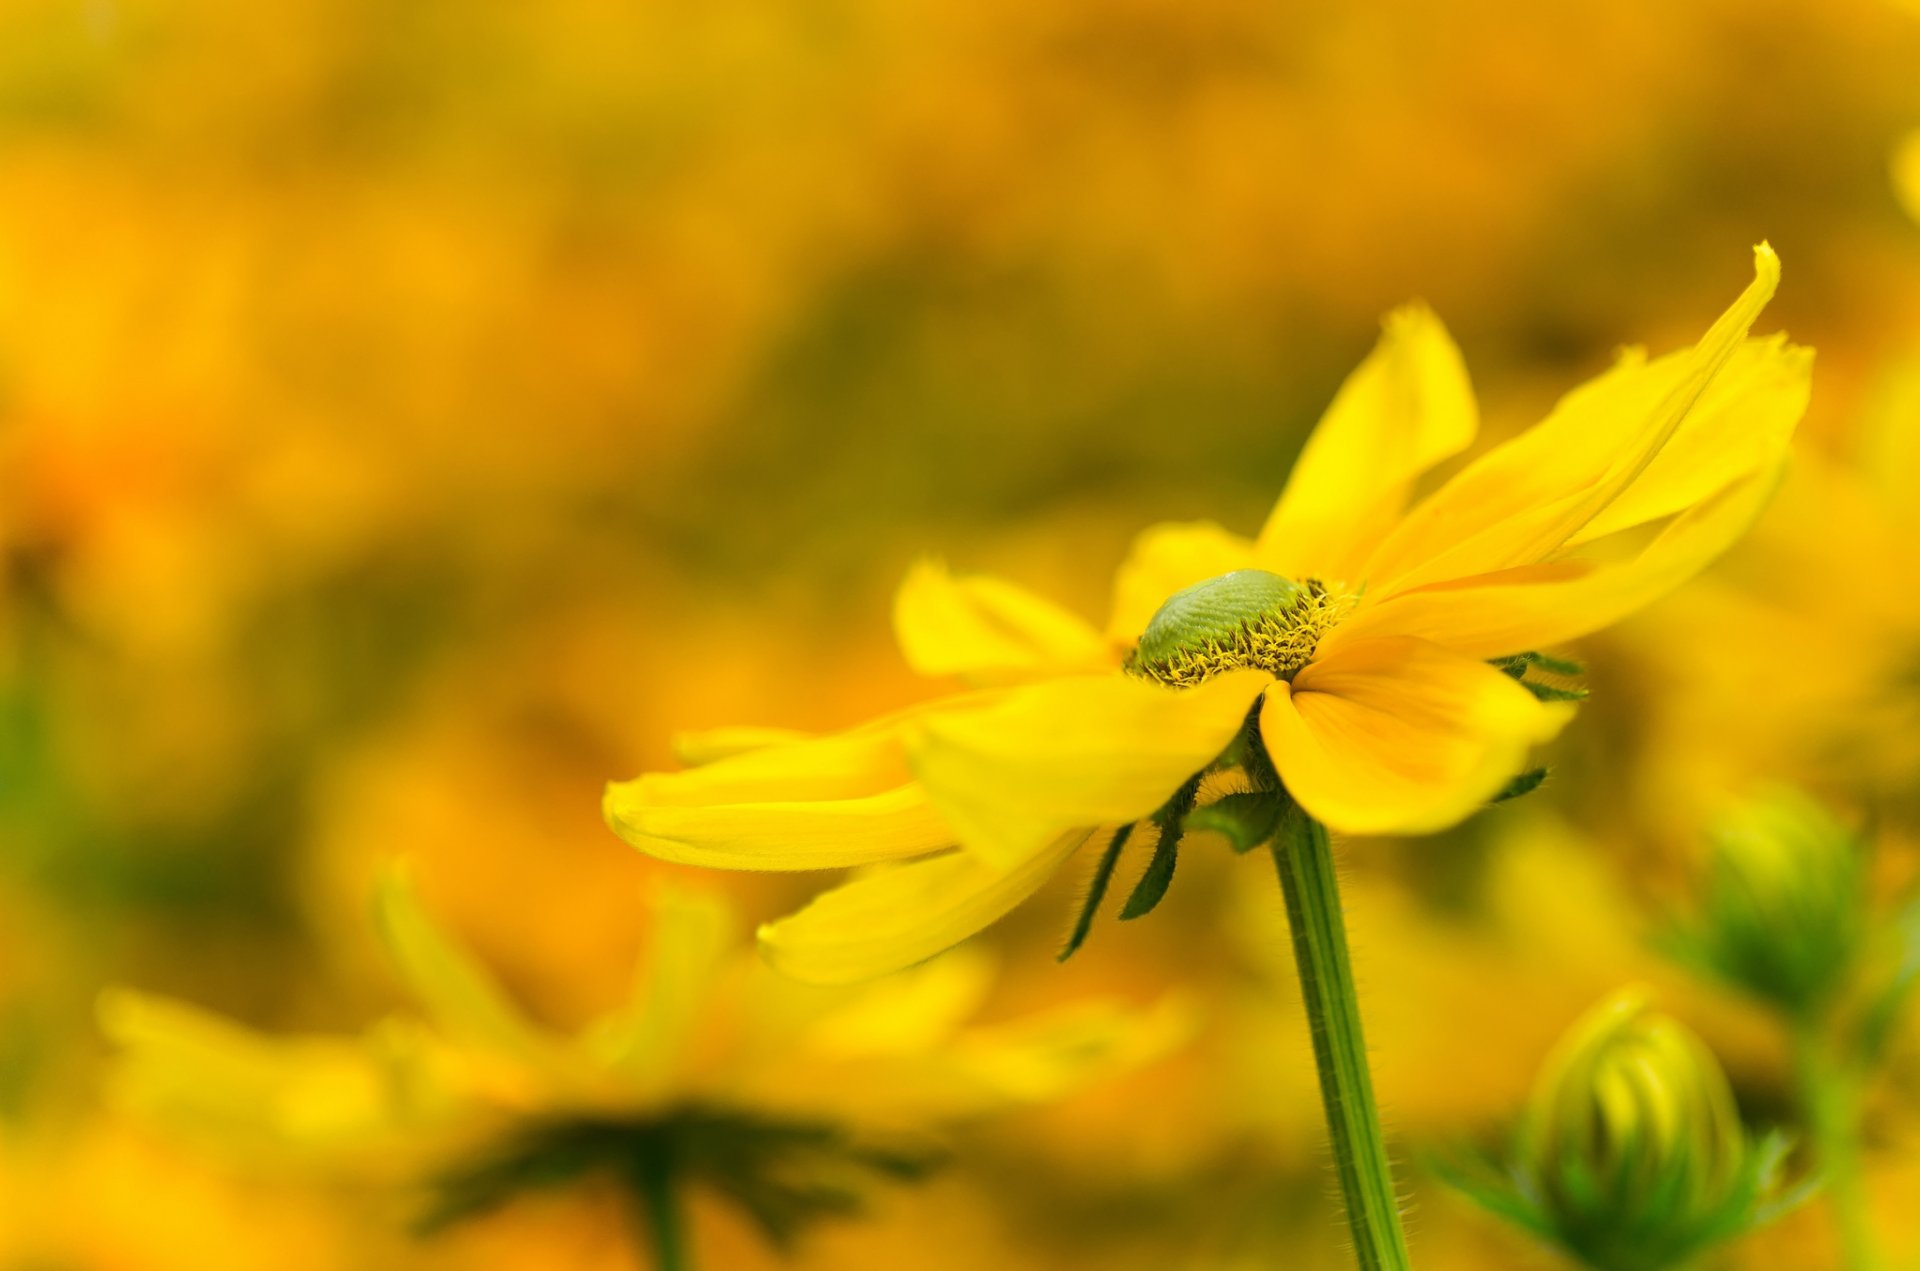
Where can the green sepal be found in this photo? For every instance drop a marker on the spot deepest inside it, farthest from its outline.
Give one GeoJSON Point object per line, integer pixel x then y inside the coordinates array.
{"type": "Point", "coordinates": [1525, 783]}
{"type": "Point", "coordinates": [1096, 892]}
{"type": "Point", "coordinates": [1152, 887]}
{"type": "Point", "coordinates": [1246, 820]}
{"type": "Point", "coordinates": [1548, 693]}
{"type": "Point", "coordinates": [1172, 822]}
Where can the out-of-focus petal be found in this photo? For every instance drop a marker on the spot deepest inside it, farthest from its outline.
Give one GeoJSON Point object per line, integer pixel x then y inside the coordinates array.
{"type": "Point", "coordinates": [1400, 736]}
{"type": "Point", "coordinates": [790, 835]}
{"type": "Point", "coordinates": [895, 917]}
{"type": "Point", "coordinates": [1544, 605]}
{"type": "Point", "coordinates": [696, 750]}
{"type": "Point", "coordinates": [1164, 559]}
{"type": "Point", "coordinates": [820, 803]}
{"type": "Point", "coordinates": [1405, 408]}
{"type": "Point", "coordinates": [459, 995]}
{"type": "Point", "coordinates": [1524, 501]}
{"type": "Point", "coordinates": [690, 934]}
{"type": "Point", "coordinates": [989, 630]}
{"type": "Point", "coordinates": [1088, 750]}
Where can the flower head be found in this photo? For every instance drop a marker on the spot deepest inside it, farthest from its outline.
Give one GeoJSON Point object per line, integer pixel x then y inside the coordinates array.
{"type": "Point", "coordinates": [775, 1094]}
{"type": "Point", "coordinates": [1343, 658]}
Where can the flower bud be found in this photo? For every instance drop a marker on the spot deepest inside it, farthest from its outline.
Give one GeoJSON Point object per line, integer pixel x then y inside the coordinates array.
{"type": "Point", "coordinates": [1631, 1117]}
{"type": "Point", "coordinates": [1631, 1156]}
{"type": "Point", "coordinates": [1784, 903]}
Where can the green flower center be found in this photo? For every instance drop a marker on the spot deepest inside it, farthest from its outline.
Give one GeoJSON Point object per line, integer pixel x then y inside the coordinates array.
{"type": "Point", "coordinates": [1247, 619]}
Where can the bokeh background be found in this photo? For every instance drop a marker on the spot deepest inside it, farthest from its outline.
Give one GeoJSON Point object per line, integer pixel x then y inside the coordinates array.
{"type": "Point", "coordinates": [411, 416]}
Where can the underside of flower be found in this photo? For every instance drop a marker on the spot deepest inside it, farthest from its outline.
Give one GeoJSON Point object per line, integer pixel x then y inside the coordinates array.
{"type": "Point", "coordinates": [1248, 619]}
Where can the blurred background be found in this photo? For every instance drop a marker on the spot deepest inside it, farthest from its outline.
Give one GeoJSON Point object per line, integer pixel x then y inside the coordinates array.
{"type": "Point", "coordinates": [411, 416]}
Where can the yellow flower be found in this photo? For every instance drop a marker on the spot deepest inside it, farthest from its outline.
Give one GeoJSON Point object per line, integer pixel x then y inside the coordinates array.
{"type": "Point", "coordinates": [1343, 652]}
{"type": "Point", "coordinates": [1906, 173]}
{"type": "Point", "coordinates": [715, 1056]}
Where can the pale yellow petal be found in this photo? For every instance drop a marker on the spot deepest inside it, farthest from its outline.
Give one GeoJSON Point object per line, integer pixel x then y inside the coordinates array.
{"type": "Point", "coordinates": [898, 916]}
{"type": "Point", "coordinates": [912, 1013]}
{"type": "Point", "coordinates": [696, 750]}
{"type": "Point", "coordinates": [989, 630]}
{"type": "Point", "coordinates": [1407, 407]}
{"type": "Point", "coordinates": [690, 937]}
{"type": "Point", "coordinates": [1165, 559]}
{"type": "Point", "coordinates": [459, 995]}
{"type": "Point", "coordinates": [1089, 750]}
{"type": "Point", "coordinates": [1542, 606]}
{"type": "Point", "coordinates": [819, 803]}
{"type": "Point", "coordinates": [1400, 736]}
{"type": "Point", "coordinates": [791, 835]}
{"type": "Point", "coordinates": [1522, 502]}
{"type": "Point", "coordinates": [214, 1079]}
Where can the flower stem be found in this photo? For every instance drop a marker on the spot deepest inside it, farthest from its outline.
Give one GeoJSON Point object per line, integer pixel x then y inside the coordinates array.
{"type": "Point", "coordinates": [653, 1179]}
{"type": "Point", "coordinates": [1830, 1100]}
{"type": "Point", "coordinates": [1304, 858]}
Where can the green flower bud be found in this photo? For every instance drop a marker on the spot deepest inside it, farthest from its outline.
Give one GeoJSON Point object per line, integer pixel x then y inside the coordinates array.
{"type": "Point", "coordinates": [1632, 1116]}
{"type": "Point", "coordinates": [1632, 1156]}
{"type": "Point", "coordinates": [1247, 618]}
{"type": "Point", "coordinates": [1783, 909]}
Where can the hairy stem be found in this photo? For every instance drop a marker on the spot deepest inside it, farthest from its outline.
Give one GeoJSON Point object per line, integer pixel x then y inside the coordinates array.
{"type": "Point", "coordinates": [1830, 1099]}
{"type": "Point", "coordinates": [1304, 857]}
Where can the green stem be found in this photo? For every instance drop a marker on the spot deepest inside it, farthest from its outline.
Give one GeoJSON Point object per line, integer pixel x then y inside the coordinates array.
{"type": "Point", "coordinates": [1830, 1100]}
{"type": "Point", "coordinates": [1305, 861]}
{"type": "Point", "coordinates": [653, 1177]}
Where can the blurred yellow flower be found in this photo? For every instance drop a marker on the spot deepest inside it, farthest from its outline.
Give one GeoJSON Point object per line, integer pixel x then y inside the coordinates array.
{"type": "Point", "coordinates": [717, 1071]}
{"type": "Point", "coordinates": [1365, 684]}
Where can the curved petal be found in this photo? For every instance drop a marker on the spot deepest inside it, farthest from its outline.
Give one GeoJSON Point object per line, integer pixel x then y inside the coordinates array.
{"type": "Point", "coordinates": [1741, 424]}
{"type": "Point", "coordinates": [1400, 736]}
{"type": "Point", "coordinates": [1404, 409]}
{"type": "Point", "coordinates": [989, 630]}
{"type": "Point", "coordinates": [789, 835]}
{"type": "Point", "coordinates": [896, 917]}
{"type": "Point", "coordinates": [1523, 501]}
{"type": "Point", "coordinates": [459, 994]}
{"type": "Point", "coordinates": [1541, 606]}
{"type": "Point", "coordinates": [698, 749]}
{"type": "Point", "coordinates": [1090, 750]}
{"type": "Point", "coordinates": [1164, 559]}
{"type": "Point", "coordinates": [689, 940]}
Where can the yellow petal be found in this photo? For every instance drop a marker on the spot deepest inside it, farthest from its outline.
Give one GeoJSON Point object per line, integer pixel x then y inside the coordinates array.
{"type": "Point", "coordinates": [1741, 424]}
{"type": "Point", "coordinates": [989, 630]}
{"type": "Point", "coordinates": [696, 750]}
{"type": "Point", "coordinates": [460, 996]}
{"type": "Point", "coordinates": [1542, 606]}
{"type": "Point", "coordinates": [895, 917]}
{"type": "Point", "coordinates": [818, 803]}
{"type": "Point", "coordinates": [1407, 407]}
{"type": "Point", "coordinates": [1165, 559]}
{"type": "Point", "coordinates": [690, 934]}
{"type": "Point", "coordinates": [1399, 736]}
{"type": "Point", "coordinates": [1523, 501]}
{"type": "Point", "coordinates": [212, 1078]}
{"type": "Point", "coordinates": [1088, 750]}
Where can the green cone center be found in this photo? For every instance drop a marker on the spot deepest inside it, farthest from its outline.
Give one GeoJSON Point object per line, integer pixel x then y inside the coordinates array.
{"type": "Point", "coordinates": [1248, 618]}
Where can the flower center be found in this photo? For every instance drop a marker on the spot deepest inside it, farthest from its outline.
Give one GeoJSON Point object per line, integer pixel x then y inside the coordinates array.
{"type": "Point", "coordinates": [1247, 619]}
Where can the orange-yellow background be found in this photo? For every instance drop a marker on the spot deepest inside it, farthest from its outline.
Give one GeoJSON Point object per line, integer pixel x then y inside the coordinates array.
{"type": "Point", "coordinates": [411, 415]}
